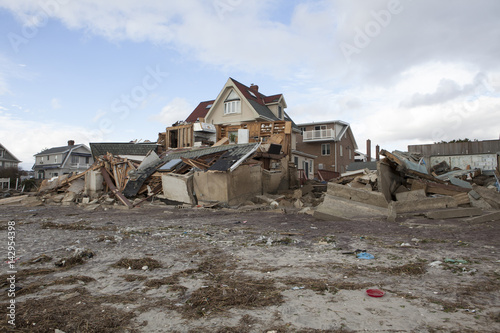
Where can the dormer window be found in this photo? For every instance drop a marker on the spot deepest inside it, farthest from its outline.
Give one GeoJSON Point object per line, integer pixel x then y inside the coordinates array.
{"type": "Point", "coordinates": [232, 104]}
{"type": "Point", "coordinates": [280, 112]}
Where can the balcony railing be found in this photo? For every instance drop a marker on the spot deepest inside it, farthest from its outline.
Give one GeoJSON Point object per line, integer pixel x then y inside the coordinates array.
{"type": "Point", "coordinates": [324, 134]}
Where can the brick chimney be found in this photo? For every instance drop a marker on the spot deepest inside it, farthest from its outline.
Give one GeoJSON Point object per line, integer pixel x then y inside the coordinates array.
{"type": "Point", "coordinates": [377, 152]}
{"type": "Point", "coordinates": [71, 142]}
{"type": "Point", "coordinates": [254, 87]}
{"type": "Point", "coordinates": [368, 150]}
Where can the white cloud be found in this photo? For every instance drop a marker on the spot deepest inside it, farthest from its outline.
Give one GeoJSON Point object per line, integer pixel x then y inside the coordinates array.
{"type": "Point", "coordinates": [177, 109]}
{"type": "Point", "coordinates": [417, 66]}
{"type": "Point", "coordinates": [55, 103]}
{"type": "Point", "coordinates": [39, 135]}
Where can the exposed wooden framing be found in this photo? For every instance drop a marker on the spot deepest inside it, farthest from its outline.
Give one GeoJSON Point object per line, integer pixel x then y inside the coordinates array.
{"type": "Point", "coordinates": [157, 189]}
{"type": "Point", "coordinates": [106, 175]}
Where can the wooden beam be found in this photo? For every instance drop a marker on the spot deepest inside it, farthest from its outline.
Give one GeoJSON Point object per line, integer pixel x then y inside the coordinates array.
{"type": "Point", "coordinates": [112, 187]}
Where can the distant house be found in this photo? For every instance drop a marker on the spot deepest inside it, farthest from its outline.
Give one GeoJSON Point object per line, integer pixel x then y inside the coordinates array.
{"type": "Point", "coordinates": [58, 161]}
{"type": "Point", "coordinates": [7, 159]}
{"type": "Point", "coordinates": [332, 141]}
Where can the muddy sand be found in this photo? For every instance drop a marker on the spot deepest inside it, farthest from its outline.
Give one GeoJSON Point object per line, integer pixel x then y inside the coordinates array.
{"type": "Point", "coordinates": [162, 269]}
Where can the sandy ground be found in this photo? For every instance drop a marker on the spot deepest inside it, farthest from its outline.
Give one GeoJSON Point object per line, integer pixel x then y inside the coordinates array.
{"type": "Point", "coordinates": [162, 269]}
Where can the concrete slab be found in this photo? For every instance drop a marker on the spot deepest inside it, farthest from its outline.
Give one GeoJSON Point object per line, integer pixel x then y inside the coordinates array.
{"type": "Point", "coordinates": [342, 208]}
{"type": "Point", "coordinates": [77, 186]}
{"type": "Point", "coordinates": [69, 197]}
{"type": "Point", "coordinates": [453, 213]}
{"type": "Point", "coordinates": [388, 180]}
{"type": "Point", "coordinates": [479, 202]}
{"type": "Point", "coordinates": [489, 195]}
{"type": "Point", "coordinates": [357, 195]}
{"type": "Point", "coordinates": [423, 204]}
{"type": "Point", "coordinates": [485, 218]}
{"type": "Point", "coordinates": [13, 200]}
{"type": "Point", "coordinates": [93, 182]}
{"type": "Point", "coordinates": [411, 195]}
{"type": "Point", "coordinates": [178, 188]}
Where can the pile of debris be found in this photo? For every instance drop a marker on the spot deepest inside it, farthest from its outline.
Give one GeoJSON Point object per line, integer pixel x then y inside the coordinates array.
{"type": "Point", "coordinates": [402, 184]}
{"type": "Point", "coordinates": [227, 174]}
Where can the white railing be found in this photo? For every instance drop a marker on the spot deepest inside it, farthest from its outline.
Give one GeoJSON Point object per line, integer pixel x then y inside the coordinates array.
{"type": "Point", "coordinates": [324, 134]}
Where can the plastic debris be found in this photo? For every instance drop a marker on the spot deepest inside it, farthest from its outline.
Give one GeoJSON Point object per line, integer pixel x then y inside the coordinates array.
{"type": "Point", "coordinates": [375, 292]}
{"type": "Point", "coordinates": [435, 263]}
{"type": "Point", "coordinates": [365, 255]}
{"type": "Point", "coordinates": [455, 261]}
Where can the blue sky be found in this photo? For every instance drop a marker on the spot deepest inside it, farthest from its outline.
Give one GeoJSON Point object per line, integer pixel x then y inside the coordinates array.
{"type": "Point", "coordinates": [400, 72]}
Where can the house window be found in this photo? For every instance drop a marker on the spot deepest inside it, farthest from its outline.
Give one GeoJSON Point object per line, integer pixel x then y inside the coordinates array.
{"type": "Point", "coordinates": [280, 111]}
{"type": "Point", "coordinates": [55, 159]}
{"type": "Point", "coordinates": [350, 153]}
{"type": "Point", "coordinates": [296, 161]}
{"type": "Point", "coordinates": [341, 152]}
{"type": "Point", "coordinates": [1, 153]}
{"type": "Point", "coordinates": [232, 104]}
{"type": "Point", "coordinates": [233, 136]}
{"type": "Point", "coordinates": [87, 160]}
{"type": "Point", "coordinates": [232, 107]}
{"type": "Point", "coordinates": [325, 149]}
{"type": "Point", "coordinates": [75, 159]}
{"type": "Point", "coordinates": [302, 130]}
{"type": "Point", "coordinates": [319, 131]}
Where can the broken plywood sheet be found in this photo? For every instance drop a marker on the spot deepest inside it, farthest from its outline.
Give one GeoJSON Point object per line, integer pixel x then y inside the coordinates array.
{"type": "Point", "coordinates": [178, 188]}
{"type": "Point", "coordinates": [221, 142]}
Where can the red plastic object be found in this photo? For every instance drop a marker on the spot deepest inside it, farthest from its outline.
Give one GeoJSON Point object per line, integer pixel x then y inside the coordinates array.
{"type": "Point", "coordinates": [375, 292]}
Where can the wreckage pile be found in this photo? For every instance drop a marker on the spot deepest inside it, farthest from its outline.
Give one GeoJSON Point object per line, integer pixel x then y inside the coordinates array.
{"type": "Point", "coordinates": [402, 185]}
{"type": "Point", "coordinates": [257, 176]}
{"type": "Point", "coordinates": [223, 175]}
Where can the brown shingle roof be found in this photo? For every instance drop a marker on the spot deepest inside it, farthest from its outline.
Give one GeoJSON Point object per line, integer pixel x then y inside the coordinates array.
{"type": "Point", "coordinates": [200, 111]}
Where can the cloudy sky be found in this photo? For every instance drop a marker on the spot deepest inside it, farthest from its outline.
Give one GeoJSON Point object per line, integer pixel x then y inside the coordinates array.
{"type": "Point", "coordinates": [399, 71]}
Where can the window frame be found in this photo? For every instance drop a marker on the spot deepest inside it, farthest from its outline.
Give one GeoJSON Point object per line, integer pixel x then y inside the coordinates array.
{"type": "Point", "coordinates": [232, 107]}
{"type": "Point", "coordinates": [327, 151]}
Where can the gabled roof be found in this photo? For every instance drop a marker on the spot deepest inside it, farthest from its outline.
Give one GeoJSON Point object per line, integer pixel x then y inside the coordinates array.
{"type": "Point", "coordinates": [59, 150]}
{"type": "Point", "coordinates": [200, 111]}
{"type": "Point", "coordinates": [122, 148]}
{"type": "Point", "coordinates": [65, 151]}
{"type": "Point", "coordinates": [258, 101]}
{"type": "Point", "coordinates": [12, 157]}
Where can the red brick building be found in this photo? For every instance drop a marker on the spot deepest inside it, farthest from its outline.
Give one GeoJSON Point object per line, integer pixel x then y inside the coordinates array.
{"type": "Point", "coordinates": [331, 141]}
